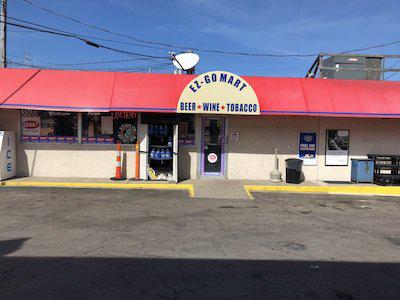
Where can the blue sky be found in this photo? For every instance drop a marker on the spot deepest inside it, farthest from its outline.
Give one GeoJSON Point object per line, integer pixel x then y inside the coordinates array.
{"type": "Point", "coordinates": [276, 27]}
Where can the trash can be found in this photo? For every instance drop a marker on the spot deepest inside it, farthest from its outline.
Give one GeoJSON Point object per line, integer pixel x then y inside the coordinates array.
{"type": "Point", "coordinates": [293, 170]}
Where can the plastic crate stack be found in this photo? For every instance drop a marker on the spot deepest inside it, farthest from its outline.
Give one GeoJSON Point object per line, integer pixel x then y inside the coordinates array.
{"type": "Point", "coordinates": [386, 169]}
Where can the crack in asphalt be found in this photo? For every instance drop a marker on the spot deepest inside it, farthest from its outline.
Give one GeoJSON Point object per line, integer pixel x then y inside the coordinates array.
{"type": "Point", "coordinates": [101, 246]}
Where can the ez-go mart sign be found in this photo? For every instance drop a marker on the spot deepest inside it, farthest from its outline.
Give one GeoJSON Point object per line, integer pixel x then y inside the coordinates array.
{"type": "Point", "coordinates": [218, 92]}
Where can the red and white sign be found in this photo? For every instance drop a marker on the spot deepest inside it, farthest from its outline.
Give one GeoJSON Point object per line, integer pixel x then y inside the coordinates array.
{"type": "Point", "coordinates": [30, 126]}
{"type": "Point", "coordinates": [212, 158]}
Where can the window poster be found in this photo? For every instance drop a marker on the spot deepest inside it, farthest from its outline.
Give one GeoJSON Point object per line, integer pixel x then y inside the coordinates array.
{"type": "Point", "coordinates": [308, 148]}
{"type": "Point", "coordinates": [337, 147]}
{"type": "Point", "coordinates": [106, 125]}
{"type": "Point", "coordinates": [125, 130]}
{"type": "Point", "coordinates": [30, 125]}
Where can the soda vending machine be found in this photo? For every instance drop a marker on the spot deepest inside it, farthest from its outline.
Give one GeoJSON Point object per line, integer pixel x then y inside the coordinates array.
{"type": "Point", "coordinates": [8, 166]}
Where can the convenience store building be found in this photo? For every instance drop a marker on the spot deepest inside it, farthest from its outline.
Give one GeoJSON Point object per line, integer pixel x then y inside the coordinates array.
{"type": "Point", "coordinates": [213, 125]}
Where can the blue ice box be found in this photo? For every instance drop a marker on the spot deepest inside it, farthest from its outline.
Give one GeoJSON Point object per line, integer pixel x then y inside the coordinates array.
{"type": "Point", "coordinates": [362, 170]}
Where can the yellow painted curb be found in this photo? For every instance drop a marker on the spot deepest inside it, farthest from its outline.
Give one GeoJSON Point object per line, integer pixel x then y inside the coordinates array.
{"type": "Point", "coordinates": [339, 189]}
{"type": "Point", "coordinates": [248, 190]}
{"type": "Point", "coordinates": [93, 185]}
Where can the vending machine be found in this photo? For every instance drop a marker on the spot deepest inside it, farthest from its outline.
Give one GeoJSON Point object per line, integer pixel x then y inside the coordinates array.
{"type": "Point", "coordinates": [158, 152]}
{"type": "Point", "coordinates": [8, 166]}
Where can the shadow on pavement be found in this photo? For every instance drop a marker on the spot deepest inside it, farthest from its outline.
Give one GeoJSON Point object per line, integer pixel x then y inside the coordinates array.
{"type": "Point", "coordinates": [153, 278]}
{"type": "Point", "coordinates": [10, 246]}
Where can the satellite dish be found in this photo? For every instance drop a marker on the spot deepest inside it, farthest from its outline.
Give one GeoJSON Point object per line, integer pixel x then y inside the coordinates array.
{"type": "Point", "coordinates": [185, 61]}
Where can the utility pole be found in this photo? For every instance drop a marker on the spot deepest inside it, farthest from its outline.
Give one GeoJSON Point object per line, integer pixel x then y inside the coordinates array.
{"type": "Point", "coordinates": [3, 34]}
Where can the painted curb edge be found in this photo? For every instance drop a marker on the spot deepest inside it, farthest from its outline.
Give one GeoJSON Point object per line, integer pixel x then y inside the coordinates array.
{"type": "Point", "coordinates": [334, 190]}
{"type": "Point", "coordinates": [148, 186]}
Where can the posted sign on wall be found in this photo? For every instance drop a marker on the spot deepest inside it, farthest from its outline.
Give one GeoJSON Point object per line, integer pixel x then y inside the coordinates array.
{"type": "Point", "coordinates": [337, 147]}
{"type": "Point", "coordinates": [308, 148]}
{"type": "Point", "coordinates": [7, 155]}
{"type": "Point", "coordinates": [218, 92]}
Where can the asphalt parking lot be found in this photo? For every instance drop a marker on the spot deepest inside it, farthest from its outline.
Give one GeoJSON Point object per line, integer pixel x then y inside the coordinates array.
{"type": "Point", "coordinates": [82, 243]}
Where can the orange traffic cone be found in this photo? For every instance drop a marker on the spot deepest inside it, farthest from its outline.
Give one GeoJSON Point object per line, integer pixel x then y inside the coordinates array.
{"type": "Point", "coordinates": [118, 166]}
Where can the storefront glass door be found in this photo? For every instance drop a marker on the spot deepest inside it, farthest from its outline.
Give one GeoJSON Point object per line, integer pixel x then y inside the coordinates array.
{"type": "Point", "coordinates": [212, 147]}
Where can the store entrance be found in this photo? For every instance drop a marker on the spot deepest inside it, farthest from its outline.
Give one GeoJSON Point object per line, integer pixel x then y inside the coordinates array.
{"type": "Point", "coordinates": [213, 147]}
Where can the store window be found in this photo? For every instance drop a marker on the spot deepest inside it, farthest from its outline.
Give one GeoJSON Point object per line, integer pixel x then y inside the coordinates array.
{"type": "Point", "coordinates": [62, 127]}
{"type": "Point", "coordinates": [49, 126]}
{"type": "Point", "coordinates": [97, 128]}
{"type": "Point", "coordinates": [109, 128]}
{"type": "Point", "coordinates": [187, 130]}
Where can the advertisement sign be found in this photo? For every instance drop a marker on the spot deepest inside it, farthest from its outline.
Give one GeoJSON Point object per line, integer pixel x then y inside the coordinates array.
{"type": "Point", "coordinates": [30, 125]}
{"type": "Point", "coordinates": [308, 148]}
{"type": "Point", "coordinates": [218, 92]}
{"type": "Point", "coordinates": [212, 158]}
{"type": "Point", "coordinates": [8, 167]}
{"type": "Point", "coordinates": [124, 124]}
{"type": "Point", "coordinates": [337, 147]}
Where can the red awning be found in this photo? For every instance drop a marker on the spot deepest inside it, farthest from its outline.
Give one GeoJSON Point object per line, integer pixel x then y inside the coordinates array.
{"type": "Point", "coordinates": [111, 91]}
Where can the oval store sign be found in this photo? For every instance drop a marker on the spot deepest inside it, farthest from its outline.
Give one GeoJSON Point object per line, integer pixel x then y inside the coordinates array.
{"type": "Point", "coordinates": [218, 92]}
{"type": "Point", "coordinates": [30, 124]}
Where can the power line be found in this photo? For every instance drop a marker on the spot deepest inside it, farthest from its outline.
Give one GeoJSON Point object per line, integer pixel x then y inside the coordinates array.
{"type": "Point", "coordinates": [137, 68]}
{"type": "Point", "coordinates": [94, 26]}
{"type": "Point", "coordinates": [69, 33]}
{"type": "Point", "coordinates": [21, 31]}
{"type": "Point", "coordinates": [161, 43]}
{"type": "Point", "coordinates": [371, 47]}
{"type": "Point", "coordinates": [194, 48]}
{"type": "Point", "coordinates": [94, 62]}
{"type": "Point", "coordinates": [44, 64]}
{"type": "Point", "coordinates": [51, 64]}
{"type": "Point", "coordinates": [390, 76]}
{"type": "Point", "coordinates": [87, 41]}
{"type": "Point", "coordinates": [394, 73]}
{"type": "Point", "coordinates": [89, 36]}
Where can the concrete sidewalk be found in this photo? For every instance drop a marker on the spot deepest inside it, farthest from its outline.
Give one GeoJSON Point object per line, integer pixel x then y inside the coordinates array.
{"type": "Point", "coordinates": [244, 189]}
{"type": "Point", "coordinates": [211, 189]}
{"type": "Point", "coordinates": [232, 188]}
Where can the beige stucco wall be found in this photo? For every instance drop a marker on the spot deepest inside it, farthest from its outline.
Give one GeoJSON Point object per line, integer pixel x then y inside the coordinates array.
{"type": "Point", "coordinates": [367, 136]}
{"type": "Point", "coordinates": [252, 157]}
{"type": "Point", "coordinates": [63, 160]}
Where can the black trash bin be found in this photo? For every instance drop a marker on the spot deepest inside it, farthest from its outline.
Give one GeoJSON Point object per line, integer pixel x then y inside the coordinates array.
{"type": "Point", "coordinates": [293, 170]}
